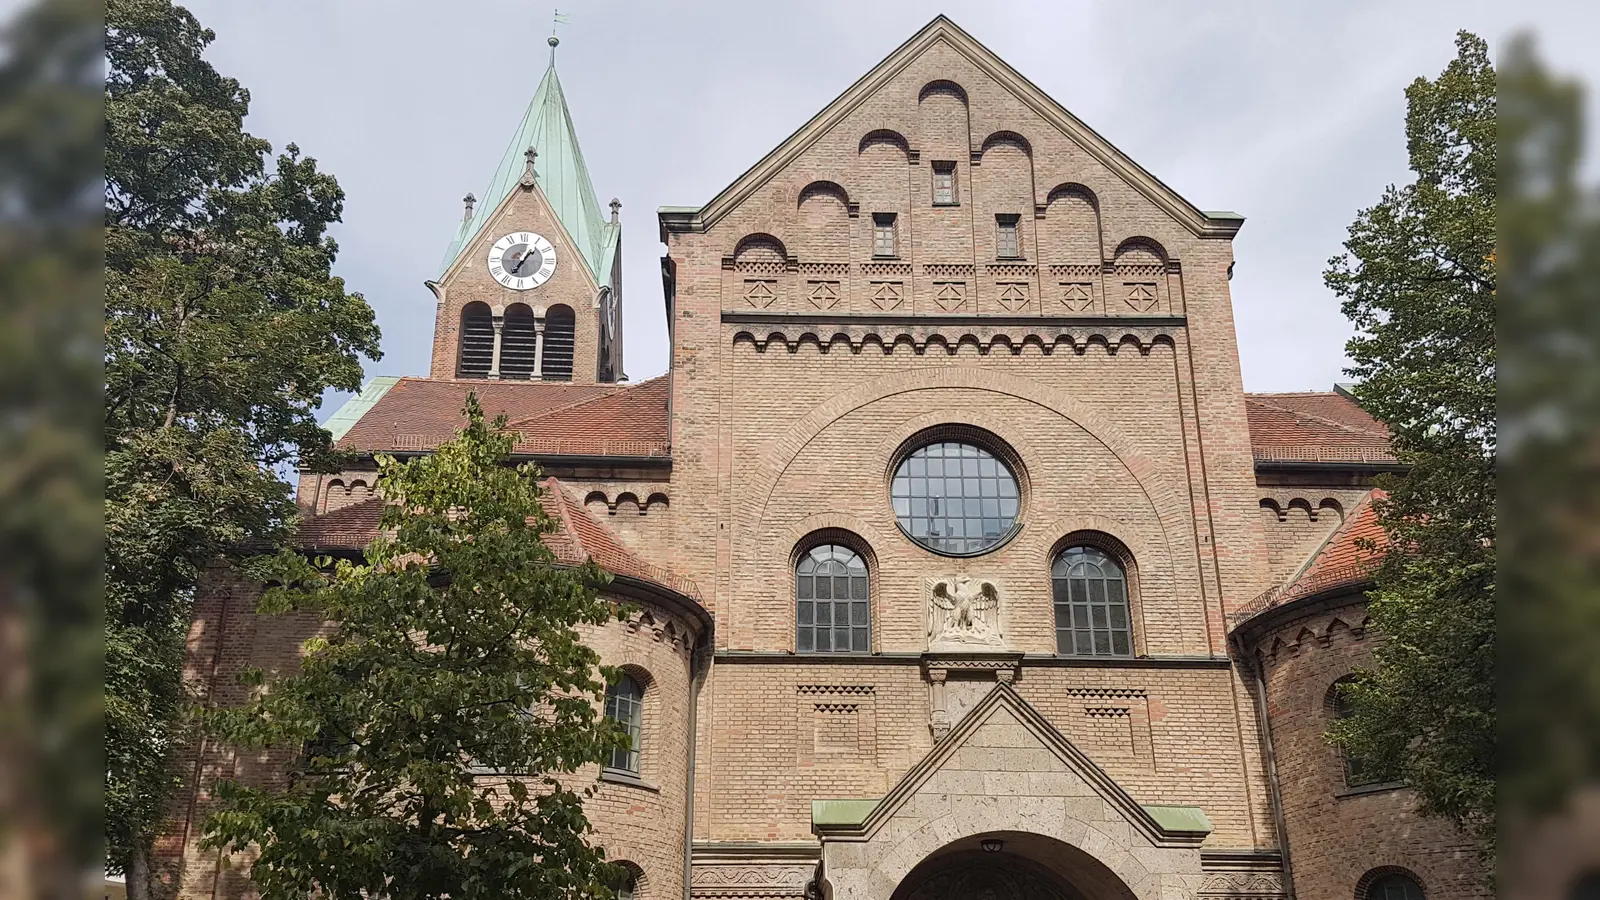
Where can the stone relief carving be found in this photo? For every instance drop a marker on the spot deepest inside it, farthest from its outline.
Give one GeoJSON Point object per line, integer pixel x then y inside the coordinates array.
{"type": "Point", "coordinates": [751, 875]}
{"type": "Point", "coordinates": [963, 613]}
{"type": "Point", "coordinates": [1242, 884]}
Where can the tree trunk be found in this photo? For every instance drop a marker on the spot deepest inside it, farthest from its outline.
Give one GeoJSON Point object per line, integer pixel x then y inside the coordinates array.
{"type": "Point", "coordinates": [138, 871]}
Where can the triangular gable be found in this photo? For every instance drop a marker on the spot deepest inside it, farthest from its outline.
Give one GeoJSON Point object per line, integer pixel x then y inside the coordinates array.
{"type": "Point", "coordinates": [563, 177]}
{"type": "Point", "coordinates": [942, 29]}
{"type": "Point", "coordinates": [1163, 826]}
{"type": "Point", "coordinates": [567, 244]}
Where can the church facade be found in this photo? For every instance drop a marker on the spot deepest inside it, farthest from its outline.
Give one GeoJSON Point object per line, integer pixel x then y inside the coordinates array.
{"type": "Point", "coordinates": [964, 565]}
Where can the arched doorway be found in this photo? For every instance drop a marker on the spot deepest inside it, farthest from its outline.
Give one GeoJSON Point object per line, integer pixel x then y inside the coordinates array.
{"type": "Point", "coordinates": [1011, 866]}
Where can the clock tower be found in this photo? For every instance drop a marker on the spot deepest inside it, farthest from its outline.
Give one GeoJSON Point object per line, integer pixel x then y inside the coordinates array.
{"type": "Point", "coordinates": [531, 287]}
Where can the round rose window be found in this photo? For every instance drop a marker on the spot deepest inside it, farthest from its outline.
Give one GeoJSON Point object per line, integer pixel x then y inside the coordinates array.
{"type": "Point", "coordinates": [955, 498]}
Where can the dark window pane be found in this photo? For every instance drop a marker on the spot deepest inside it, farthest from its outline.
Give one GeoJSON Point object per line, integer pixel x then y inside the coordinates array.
{"type": "Point", "coordinates": [946, 509]}
{"type": "Point", "coordinates": [1091, 599]}
{"type": "Point", "coordinates": [832, 603]}
{"type": "Point", "coordinates": [860, 640]}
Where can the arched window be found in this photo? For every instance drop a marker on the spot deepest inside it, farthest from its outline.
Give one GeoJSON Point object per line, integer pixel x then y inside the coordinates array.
{"type": "Point", "coordinates": [559, 337]}
{"type": "Point", "coordinates": [1356, 770]}
{"type": "Point", "coordinates": [832, 612]}
{"type": "Point", "coordinates": [517, 343]}
{"type": "Point", "coordinates": [625, 884]}
{"type": "Point", "coordinates": [1394, 884]}
{"type": "Point", "coordinates": [477, 341]}
{"type": "Point", "coordinates": [625, 706]}
{"type": "Point", "coordinates": [1091, 600]}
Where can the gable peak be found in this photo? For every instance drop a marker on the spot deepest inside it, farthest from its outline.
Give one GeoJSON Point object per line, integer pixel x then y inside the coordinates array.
{"type": "Point", "coordinates": [544, 153]}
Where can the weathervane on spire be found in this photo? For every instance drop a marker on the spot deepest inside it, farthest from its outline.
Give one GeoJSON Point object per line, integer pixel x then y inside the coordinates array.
{"type": "Point", "coordinates": [554, 41]}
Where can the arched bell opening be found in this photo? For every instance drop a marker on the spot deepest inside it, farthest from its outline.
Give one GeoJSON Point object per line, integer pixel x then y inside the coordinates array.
{"type": "Point", "coordinates": [1011, 866]}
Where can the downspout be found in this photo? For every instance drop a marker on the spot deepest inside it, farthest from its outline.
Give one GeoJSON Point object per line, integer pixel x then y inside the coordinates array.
{"type": "Point", "coordinates": [699, 667]}
{"type": "Point", "coordinates": [1274, 791]}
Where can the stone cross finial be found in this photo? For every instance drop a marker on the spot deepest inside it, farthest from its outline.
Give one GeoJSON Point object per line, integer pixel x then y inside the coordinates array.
{"type": "Point", "coordinates": [470, 201]}
{"type": "Point", "coordinates": [527, 170]}
{"type": "Point", "coordinates": [616, 209]}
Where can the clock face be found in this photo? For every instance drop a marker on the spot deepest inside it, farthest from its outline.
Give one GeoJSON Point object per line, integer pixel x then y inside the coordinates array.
{"type": "Point", "coordinates": [522, 260]}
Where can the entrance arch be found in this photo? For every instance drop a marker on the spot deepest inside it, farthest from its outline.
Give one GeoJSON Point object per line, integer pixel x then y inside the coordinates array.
{"type": "Point", "coordinates": [1007, 865]}
{"type": "Point", "coordinates": [1005, 773]}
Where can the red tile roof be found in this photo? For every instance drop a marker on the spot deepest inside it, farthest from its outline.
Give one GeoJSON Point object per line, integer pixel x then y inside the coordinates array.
{"type": "Point", "coordinates": [422, 413]}
{"type": "Point", "coordinates": [596, 542]}
{"type": "Point", "coordinates": [1343, 560]}
{"type": "Point", "coordinates": [1315, 427]}
{"type": "Point", "coordinates": [348, 528]}
{"type": "Point", "coordinates": [630, 421]}
{"type": "Point", "coordinates": [578, 537]}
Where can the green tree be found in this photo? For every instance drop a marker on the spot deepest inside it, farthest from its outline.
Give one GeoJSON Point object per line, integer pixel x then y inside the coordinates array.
{"type": "Point", "coordinates": [440, 712]}
{"type": "Point", "coordinates": [1549, 263]}
{"type": "Point", "coordinates": [50, 476]}
{"type": "Point", "coordinates": [223, 327]}
{"type": "Point", "coordinates": [1418, 281]}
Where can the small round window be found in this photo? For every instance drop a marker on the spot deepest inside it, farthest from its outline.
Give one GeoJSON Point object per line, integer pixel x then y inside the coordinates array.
{"type": "Point", "coordinates": [955, 498]}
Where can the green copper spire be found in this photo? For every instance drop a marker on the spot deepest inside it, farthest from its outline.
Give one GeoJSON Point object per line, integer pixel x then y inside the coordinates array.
{"type": "Point", "coordinates": [562, 175]}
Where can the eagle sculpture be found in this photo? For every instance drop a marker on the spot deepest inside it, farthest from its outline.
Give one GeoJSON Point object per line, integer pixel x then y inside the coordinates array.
{"type": "Point", "coordinates": [964, 610]}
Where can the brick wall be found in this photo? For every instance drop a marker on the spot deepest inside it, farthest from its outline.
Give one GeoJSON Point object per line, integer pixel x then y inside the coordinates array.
{"type": "Point", "coordinates": [1337, 833]}
{"type": "Point", "coordinates": [637, 821]}
{"type": "Point", "coordinates": [1133, 427]}
{"type": "Point", "coordinates": [572, 284]}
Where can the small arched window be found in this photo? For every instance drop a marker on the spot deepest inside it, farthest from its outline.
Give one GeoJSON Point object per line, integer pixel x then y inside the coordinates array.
{"type": "Point", "coordinates": [1394, 886]}
{"type": "Point", "coordinates": [1091, 600]}
{"type": "Point", "coordinates": [559, 338]}
{"type": "Point", "coordinates": [624, 885]}
{"type": "Point", "coordinates": [476, 354]}
{"type": "Point", "coordinates": [517, 343]}
{"type": "Point", "coordinates": [832, 611]}
{"type": "Point", "coordinates": [1356, 770]}
{"type": "Point", "coordinates": [625, 706]}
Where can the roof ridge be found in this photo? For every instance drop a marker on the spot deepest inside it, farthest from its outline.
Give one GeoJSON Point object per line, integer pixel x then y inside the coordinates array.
{"type": "Point", "coordinates": [526, 420]}
{"type": "Point", "coordinates": [1322, 419]}
{"type": "Point", "coordinates": [558, 492]}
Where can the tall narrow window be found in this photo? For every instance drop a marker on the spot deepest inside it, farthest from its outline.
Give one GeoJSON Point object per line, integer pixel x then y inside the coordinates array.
{"type": "Point", "coordinates": [1091, 599]}
{"type": "Point", "coordinates": [559, 326]}
{"type": "Point", "coordinates": [517, 341]}
{"type": "Point", "coordinates": [476, 354]}
{"type": "Point", "coordinates": [883, 234]}
{"type": "Point", "coordinates": [831, 607]}
{"type": "Point", "coordinates": [1356, 770]}
{"type": "Point", "coordinates": [1007, 245]}
{"type": "Point", "coordinates": [625, 706]}
{"type": "Point", "coordinates": [944, 184]}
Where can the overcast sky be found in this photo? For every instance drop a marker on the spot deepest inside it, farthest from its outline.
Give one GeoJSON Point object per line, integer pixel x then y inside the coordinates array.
{"type": "Point", "coordinates": [1288, 113]}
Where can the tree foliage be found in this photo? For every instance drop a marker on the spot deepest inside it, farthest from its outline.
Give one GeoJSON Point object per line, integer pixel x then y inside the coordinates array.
{"type": "Point", "coordinates": [50, 481]}
{"type": "Point", "coordinates": [223, 327]}
{"type": "Point", "coordinates": [441, 709]}
{"type": "Point", "coordinates": [1549, 263]}
{"type": "Point", "coordinates": [1418, 280]}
